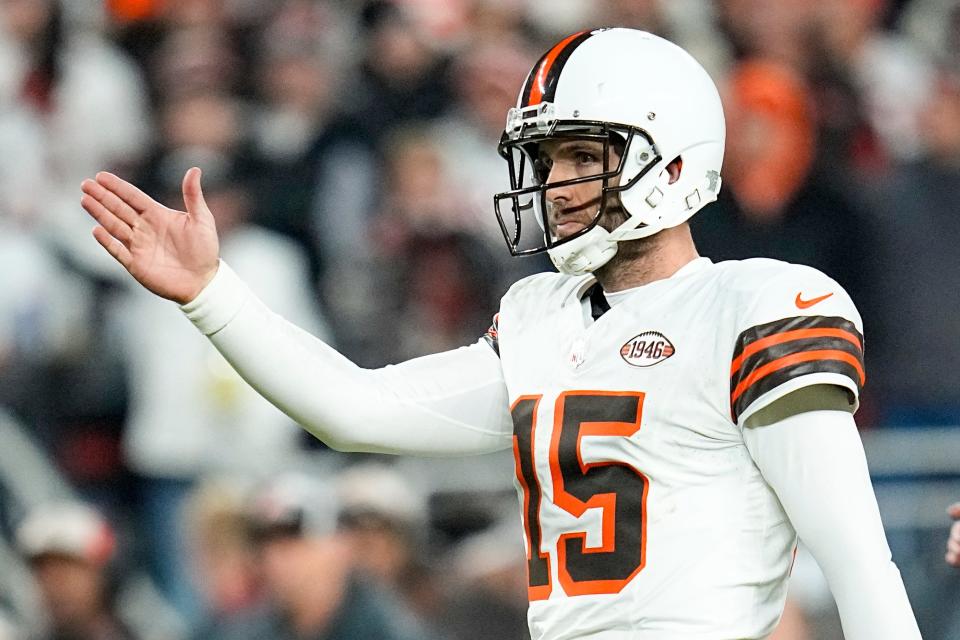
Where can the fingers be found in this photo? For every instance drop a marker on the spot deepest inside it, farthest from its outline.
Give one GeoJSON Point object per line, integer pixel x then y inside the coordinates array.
{"type": "Point", "coordinates": [193, 195]}
{"type": "Point", "coordinates": [113, 246]}
{"type": "Point", "coordinates": [130, 194]}
{"type": "Point", "coordinates": [112, 223]}
{"type": "Point", "coordinates": [953, 542]}
{"type": "Point", "coordinates": [110, 201]}
{"type": "Point", "coordinates": [953, 545]}
{"type": "Point", "coordinates": [954, 511]}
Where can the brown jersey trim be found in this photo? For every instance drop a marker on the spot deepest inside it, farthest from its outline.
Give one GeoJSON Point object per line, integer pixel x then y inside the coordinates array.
{"type": "Point", "coordinates": [758, 332]}
{"type": "Point", "coordinates": [769, 355]}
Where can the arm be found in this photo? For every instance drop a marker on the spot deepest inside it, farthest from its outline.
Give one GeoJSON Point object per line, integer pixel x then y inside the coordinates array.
{"type": "Point", "coordinates": [448, 404]}
{"type": "Point", "coordinates": [807, 447]}
{"type": "Point", "coordinates": [452, 403]}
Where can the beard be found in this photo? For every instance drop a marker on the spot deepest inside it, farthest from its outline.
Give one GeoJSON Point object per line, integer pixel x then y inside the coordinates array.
{"type": "Point", "coordinates": [628, 251]}
{"type": "Point", "coordinates": [613, 216]}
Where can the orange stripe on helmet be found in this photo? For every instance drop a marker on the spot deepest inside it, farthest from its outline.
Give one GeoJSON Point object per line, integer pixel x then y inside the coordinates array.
{"type": "Point", "coordinates": [540, 80]}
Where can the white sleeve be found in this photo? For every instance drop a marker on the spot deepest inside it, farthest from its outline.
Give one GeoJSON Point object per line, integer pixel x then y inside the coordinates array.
{"type": "Point", "coordinates": [447, 404]}
{"type": "Point", "coordinates": [815, 463]}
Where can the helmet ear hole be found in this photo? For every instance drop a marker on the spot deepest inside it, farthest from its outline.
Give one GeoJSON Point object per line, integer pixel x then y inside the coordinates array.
{"type": "Point", "coordinates": [675, 168]}
{"type": "Point", "coordinates": [618, 143]}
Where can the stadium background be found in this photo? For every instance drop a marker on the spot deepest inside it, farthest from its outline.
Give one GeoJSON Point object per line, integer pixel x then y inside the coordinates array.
{"type": "Point", "coordinates": [349, 154]}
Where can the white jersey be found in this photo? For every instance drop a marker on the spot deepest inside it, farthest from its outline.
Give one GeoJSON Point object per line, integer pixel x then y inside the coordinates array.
{"type": "Point", "coordinates": [644, 514]}
{"type": "Point", "coordinates": [637, 437]}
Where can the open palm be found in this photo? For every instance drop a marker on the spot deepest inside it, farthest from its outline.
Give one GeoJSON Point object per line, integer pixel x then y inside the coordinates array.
{"type": "Point", "coordinates": [172, 253]}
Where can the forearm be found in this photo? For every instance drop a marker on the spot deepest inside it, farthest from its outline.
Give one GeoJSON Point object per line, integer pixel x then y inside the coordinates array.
{"type": "Point", "coordinates": [453, 403]}
{"type": "Point", "coordinates": [815, 463]}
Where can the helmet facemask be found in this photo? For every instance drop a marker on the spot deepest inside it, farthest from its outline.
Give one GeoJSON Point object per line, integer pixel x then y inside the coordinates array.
{"type": "Point", "coordinates": [524, 211]}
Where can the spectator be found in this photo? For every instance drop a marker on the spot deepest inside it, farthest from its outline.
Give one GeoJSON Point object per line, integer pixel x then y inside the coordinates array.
{"type": "Point", "coordinates": [486, 78]}
{"type": "Point", "coordinates": [777, 30]}
{"type": "Point", "coordinates": [773, 203]}
{"type": "Point", "coordinates": [386, 519]}
{"type": "Point", "coordinates": [191, 415]}
{"type": "Point", "coordinates": [69, 547]}
{"type": "Point", "coordinates": [486, 598]}
{"type": "Point", "coordinates": [191, 61]}
{"type": "Point", "coordinates": [440, 274]}
{"type": "Point", "coordinates": [43, 322]}
{"type": "Point", "coordinates": [76, 104]}
{"type": "Point", "coordinates": [69, 102]}
{"type": "Point", "coordinates": [689, 23]}
{"type": "Point", "coordinates": [316, 177]}
{"type": "Point", "coordinates": [919, 235]}
{"type": "Point", "coordinates": [401, 78]}
{"type": "Point", "coordinates": [309, 572]}
{"type": "Point", "coordinates": [491, 21]}
{"type": "Point", "coordinates": [225, 566]}
{"type": "Point", "coordinates": [887, 73]}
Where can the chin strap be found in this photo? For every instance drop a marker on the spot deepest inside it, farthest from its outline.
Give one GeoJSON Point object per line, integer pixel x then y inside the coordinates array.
{"type": "Point", "coordinates": [583, 255]}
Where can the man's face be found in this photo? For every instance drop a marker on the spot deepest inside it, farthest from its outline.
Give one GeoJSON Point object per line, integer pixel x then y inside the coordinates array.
{"type": "Point", "coordinates": [572, 208]}
{"type": "Point", "coordinates": [70, 587]}
{"type": "Point", "coordinates": [282, 562]}
{"type": "Point", "coordinates": [292, 565]}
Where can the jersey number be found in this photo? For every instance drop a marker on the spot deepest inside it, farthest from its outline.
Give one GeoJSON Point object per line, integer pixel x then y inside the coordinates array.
{"type": "Point", "coordinates": [615, 487]}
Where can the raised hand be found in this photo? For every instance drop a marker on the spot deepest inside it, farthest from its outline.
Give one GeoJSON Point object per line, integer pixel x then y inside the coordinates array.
{"type": "Point", "coordinates": [172, 253]}
{"type": "Point", "coordinates": [953, 542]}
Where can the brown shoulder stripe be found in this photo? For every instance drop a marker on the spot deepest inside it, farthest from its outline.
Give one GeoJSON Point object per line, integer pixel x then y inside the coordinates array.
{"type": "Point", "coordinates": [769, 355]}
{"type": "Point", "coordinates": [761, 331]}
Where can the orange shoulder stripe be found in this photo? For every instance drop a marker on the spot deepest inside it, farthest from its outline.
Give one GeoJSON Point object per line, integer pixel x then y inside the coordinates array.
{"type": "Point", "coordinates": [797, 358]}
{"type": "Point", "coordinates": [787, 336]}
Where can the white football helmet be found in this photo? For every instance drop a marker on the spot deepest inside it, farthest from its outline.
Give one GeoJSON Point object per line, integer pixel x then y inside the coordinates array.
{"type": "Point", "coordinates": [630, 90]}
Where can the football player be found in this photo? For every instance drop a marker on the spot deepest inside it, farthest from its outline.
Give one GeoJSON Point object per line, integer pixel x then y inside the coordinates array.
{"type": "Point", "coordinates": [676, 423]}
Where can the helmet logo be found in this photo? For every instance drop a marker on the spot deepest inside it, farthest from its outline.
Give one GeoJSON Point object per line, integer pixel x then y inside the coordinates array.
{"type": "Point", "coordinates": [713, 177]}
{"type": "Point", "coordinates": [647, 349]}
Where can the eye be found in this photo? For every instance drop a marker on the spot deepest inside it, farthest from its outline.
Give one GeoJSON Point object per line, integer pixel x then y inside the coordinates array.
{"type": "Point", "coordinates": [586, 157]}
{"type": "Point", "coordinates": [541, 168]}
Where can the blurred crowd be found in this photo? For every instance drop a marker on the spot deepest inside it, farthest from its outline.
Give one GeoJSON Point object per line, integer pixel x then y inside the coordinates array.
{"type": "Point", "coordinates": [348, 150]}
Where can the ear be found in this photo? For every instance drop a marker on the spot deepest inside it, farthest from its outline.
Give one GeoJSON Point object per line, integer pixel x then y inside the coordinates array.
{"type": "Point", "coordinates": [674, 169]}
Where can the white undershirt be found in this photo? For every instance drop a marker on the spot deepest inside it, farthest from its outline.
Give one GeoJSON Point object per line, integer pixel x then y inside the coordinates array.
{"type": "Point", "coordinates": [456, 403]}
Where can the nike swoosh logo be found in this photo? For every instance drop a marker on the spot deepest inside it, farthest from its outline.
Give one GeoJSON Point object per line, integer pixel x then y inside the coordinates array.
{"type": "Point", "coordinates": [806, 304]}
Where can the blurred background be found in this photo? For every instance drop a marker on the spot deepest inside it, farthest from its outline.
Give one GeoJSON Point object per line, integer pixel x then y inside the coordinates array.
{"type": "Point", "coordinates": [349, 155]}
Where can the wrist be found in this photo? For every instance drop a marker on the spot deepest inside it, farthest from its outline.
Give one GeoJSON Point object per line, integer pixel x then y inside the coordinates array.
{"type": "Point", "coordinates": [204, 282]}
{"type": "Point", "coordinates": [218, 302]}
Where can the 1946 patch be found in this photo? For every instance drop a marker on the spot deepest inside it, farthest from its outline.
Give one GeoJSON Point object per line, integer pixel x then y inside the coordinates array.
{"type": "Point", "coordinates": [647, 349]}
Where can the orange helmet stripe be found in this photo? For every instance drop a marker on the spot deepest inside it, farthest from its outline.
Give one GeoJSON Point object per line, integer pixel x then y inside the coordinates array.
{"type": "Point", "coordinates": [537, 85]}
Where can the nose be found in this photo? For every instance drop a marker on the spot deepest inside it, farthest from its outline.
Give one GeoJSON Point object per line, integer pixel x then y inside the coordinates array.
{"type": "Point", "coordinates": [558, 172]}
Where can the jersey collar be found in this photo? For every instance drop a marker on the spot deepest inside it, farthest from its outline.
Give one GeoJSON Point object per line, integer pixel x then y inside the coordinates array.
{"type": "Point", "coordinates": [580, 286]}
